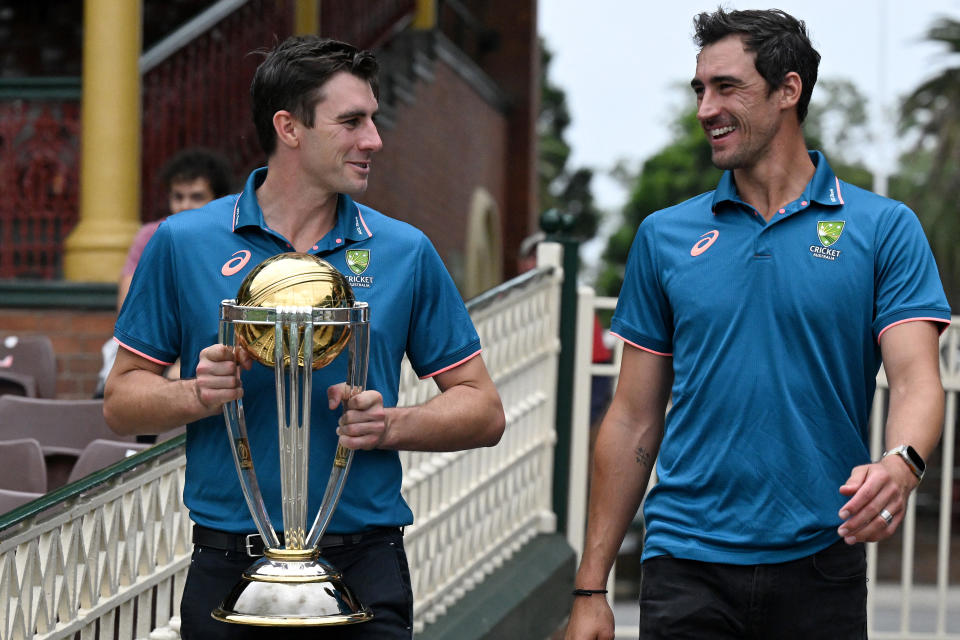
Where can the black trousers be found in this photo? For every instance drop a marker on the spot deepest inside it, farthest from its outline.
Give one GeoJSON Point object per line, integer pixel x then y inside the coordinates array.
{"type": "Point", "coordinates": [375, 569]}
{"type": "Point", "coordinates": [820, 597]}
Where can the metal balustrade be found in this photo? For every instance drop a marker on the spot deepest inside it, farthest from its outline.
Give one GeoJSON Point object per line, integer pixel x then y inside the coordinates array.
{"type": "Point", "coordinates": [107, 554]}
{"type": "Point", "coordinates": [475, 509]}
{"type": "Point", "coordinates": [910, 596]}
{"type": "Point", "coordinates": [106, 557]}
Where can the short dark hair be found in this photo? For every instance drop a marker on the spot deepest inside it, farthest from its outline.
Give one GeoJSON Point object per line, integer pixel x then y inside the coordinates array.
{"type": "Point", "coordinates": [780, 41]}
{"type": "Point", "coordinates": [197, 162]}
{"type": "Point", "coordinates": [291, 78]}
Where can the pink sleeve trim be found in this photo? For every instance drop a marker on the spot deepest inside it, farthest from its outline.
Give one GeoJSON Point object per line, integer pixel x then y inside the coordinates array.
{"type": "Point", "coordinates": [943, 324]}
{"type": "Point", "coordinates": [454, 365]}
{"type": "Point", "coordinates": [642, 348]}
{"type": "Point", "coordinates": [141, 354]}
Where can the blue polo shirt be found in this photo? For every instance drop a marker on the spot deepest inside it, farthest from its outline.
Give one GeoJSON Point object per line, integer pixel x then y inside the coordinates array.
{"type": "Point", "coordinates": [774, 329]}
{"type": "Point", "coordinates": [198, 258]}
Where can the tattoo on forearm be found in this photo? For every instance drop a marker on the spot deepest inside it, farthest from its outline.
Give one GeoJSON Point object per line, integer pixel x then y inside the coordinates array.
{"type": "Point", "coordinates": [644, 457]}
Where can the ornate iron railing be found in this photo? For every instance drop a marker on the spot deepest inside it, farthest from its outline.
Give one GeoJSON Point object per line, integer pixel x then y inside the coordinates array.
{"type": "Point", "coordinates": [199, 94]}
{"type": "Point", "coordinates": [39, 162]}
{"type": "Point", "coordinates": [370, 26]}
{"type": "Point", "coordinates": [107, 556]}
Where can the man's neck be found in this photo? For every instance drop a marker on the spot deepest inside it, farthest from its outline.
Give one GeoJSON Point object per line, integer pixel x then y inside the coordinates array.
{"type": "Point", "coordinates": [778, 179]}
{"type": "Point", "coordinates": [300, 212]}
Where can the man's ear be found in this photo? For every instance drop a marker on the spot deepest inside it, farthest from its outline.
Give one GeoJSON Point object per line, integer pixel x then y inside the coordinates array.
{"type": "Point", "coordinates": [286, 127]}
{"type": "Point", "coordinates": [790, 90]}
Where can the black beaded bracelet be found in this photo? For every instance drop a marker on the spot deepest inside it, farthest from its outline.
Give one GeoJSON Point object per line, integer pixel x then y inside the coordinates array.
{"type": "Point", "coordinates": [587, 592]}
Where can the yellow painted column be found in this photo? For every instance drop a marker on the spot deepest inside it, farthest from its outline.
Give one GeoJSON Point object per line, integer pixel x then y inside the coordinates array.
{"type": "Point", "coordinates": [109, 142]}
{"type": "Point", "coordinates": [306, 17]}
{"type": "Point", "coordinates": [426, 16]}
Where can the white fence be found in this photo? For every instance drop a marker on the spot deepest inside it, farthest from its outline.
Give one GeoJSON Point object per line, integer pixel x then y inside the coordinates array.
{"type": "Point", "coordinates": [475, 509]}
{"type": "Point", "coordinates": [106, 557]}
{"type": "Point", "coordinates": [899, 606]}
{"type": "Point", "coordinates": [108, 553]}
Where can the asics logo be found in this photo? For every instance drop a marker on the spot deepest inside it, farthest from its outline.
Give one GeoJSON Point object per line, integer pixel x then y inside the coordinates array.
{"type": "Point", "coordinates": [707, 239]}
{"type": "Point", "coordinates": [237, 262]}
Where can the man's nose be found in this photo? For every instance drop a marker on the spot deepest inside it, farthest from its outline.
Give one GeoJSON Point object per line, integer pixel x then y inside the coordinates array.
{"type": "Point", "coordinates": [371, 138]}
{"type": "Point", "coordinates": [706, 106]}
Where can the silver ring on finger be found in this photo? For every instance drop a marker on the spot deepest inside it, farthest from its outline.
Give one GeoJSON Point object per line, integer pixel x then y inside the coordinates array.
{"type": "Point", "coordinates": [887, 516]}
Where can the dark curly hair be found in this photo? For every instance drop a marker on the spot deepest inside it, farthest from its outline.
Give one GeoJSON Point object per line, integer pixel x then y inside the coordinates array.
{"type": "Point", "coordinates": [193, 163]}
{"type": "Point", "coordinates": [780, 41]}
{"type": "Point", "coordinates": [292, 75]}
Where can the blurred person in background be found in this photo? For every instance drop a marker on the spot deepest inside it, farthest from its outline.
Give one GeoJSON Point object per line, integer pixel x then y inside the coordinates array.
{"type": "Point", "coordinates": [193, 177]}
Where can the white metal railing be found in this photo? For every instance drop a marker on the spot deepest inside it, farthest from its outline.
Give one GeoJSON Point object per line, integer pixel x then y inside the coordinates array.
{"type": "Point", "coordinates": [903, 610]}
{"type": "Point", "coordinates": [475, 509]}
{"type": "Point", "coordinates": [111, 551]}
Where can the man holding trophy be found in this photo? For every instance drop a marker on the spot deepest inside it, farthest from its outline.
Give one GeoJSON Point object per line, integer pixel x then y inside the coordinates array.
{"type": "Point", "coordinates": [314, 101]}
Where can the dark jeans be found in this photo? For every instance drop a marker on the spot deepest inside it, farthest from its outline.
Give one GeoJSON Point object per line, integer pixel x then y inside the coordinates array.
{"type": "Point", "coordinates": [823, 596]}
{"type": "Point", "coordinates": [375, 570]}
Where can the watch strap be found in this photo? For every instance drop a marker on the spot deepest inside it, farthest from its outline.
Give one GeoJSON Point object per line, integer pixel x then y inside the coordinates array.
{"type": "Point", "coordinates": [910, 457]}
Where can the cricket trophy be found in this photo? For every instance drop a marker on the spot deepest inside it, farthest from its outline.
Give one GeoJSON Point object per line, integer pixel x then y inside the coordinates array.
{"type": "Point", "coordinates": [294, 312]}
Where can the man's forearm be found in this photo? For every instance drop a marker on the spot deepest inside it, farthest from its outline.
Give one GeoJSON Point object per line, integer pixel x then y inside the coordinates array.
{"type": "Point", "coordinates": [622, 465]}
{"type": "Point", "coordinates": [141, 402]}
{"type": "Point", "coordinates": [462, 417]}
{"type": "Point", "coordinates": [911, 361]}
{"type": "Point", "coordinates": [915, 418]}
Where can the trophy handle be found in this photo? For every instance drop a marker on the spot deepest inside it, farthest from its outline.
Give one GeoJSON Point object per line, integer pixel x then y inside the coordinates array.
{"type": "Point", "coordinates": [359, 349]}
{"type": "Point", "coordinates": [240, 448]}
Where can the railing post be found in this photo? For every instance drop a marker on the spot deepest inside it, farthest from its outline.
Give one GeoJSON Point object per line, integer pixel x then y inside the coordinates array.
{"type": "Point", "coordinates": [557, 227]}
{"type": "Point", "coordinates": [579, 467]}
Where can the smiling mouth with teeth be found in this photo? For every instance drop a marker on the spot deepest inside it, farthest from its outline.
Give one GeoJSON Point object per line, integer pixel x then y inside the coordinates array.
{"type": "Point", "coordinates": [716, 133]}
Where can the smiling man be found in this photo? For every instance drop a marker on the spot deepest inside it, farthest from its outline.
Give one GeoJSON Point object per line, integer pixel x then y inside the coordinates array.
{"type": "Point", "coordinates": [314, 103]}
{"type": "Point", "coordinates": [764, 309]}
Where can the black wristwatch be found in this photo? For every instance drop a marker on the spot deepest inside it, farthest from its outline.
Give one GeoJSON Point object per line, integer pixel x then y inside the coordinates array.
{"type": "Point", "coordinates": [911, 458]}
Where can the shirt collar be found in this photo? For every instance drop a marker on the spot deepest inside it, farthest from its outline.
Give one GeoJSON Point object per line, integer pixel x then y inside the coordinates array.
{"type": "Point", "coordinates": [350, 224]}
{"type": "Point", "coordinates": [824, 186]}
{"type": "Point", "coordinates": [246, 210]}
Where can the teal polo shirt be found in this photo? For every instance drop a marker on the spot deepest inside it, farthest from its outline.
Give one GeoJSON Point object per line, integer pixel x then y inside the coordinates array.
{"type": "Point", "coordinates": [198, 258]}
{"type": "Point", "coordinates": [774, 329]}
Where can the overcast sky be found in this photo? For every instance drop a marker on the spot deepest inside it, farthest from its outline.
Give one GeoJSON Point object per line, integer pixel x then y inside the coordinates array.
{"type": "Point", "coordinates": [620, 61]}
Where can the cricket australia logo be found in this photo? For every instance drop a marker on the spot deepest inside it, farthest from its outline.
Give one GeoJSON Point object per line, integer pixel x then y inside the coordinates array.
{"type": "Point", "coordinates": [357, 261]}
{"type": "Point", "coordinates": [828, 232]}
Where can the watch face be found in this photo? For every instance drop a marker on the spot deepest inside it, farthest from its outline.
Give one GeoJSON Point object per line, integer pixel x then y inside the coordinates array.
{"type": "Point", "coordinates": [915, 458]}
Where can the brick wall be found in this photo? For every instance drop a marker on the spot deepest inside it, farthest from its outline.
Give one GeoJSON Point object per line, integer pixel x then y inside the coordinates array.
{"type": "Point", "coordinates": [77, 336]}
{"type": "Point", "coordinates": [443, 145]}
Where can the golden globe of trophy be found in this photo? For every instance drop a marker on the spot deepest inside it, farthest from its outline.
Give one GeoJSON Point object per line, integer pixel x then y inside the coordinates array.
{"type": "Point", "coordinates": [294, 312]}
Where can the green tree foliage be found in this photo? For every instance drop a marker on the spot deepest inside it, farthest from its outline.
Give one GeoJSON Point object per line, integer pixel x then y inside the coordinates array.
{"type": "Point", "coordinates": [683, 169]}
{"type": "Point", "coordinates": [930, 176]}
{"type": "Point", "coordinates": [560, 187]}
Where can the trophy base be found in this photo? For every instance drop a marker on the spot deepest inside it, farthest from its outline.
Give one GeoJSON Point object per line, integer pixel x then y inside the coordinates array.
{"type": "Point", "coordinates": [291, 589]}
